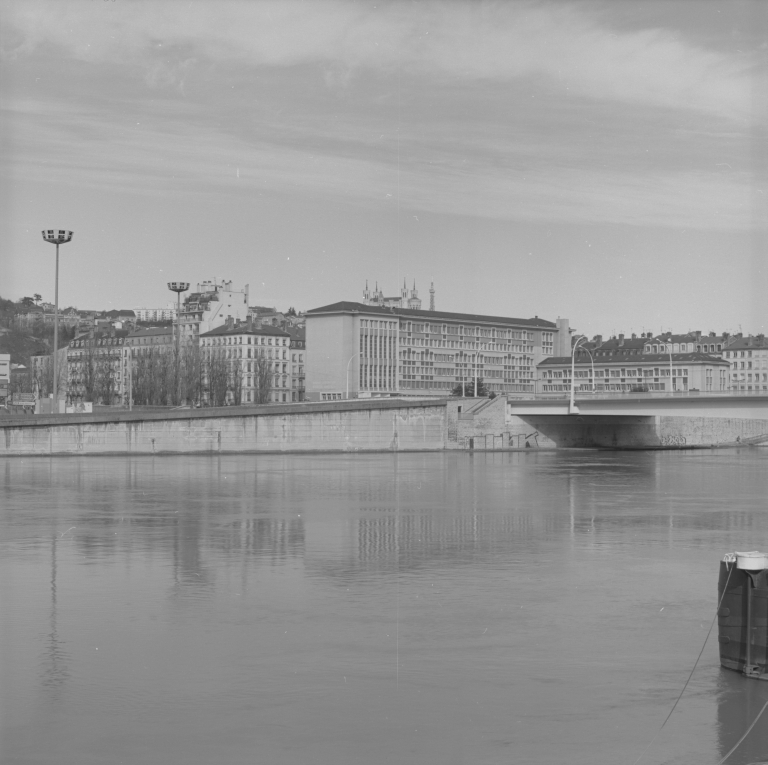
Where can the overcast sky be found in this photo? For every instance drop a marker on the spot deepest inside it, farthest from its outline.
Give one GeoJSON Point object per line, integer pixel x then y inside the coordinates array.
{"type": "Point", "coordinates": [603, 161]}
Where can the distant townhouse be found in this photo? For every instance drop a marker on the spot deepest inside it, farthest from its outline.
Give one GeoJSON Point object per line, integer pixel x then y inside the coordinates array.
{"type": "Point", "coordinates": [213, 303]}
{"type": "Point", "coordinates": [149, 315]}
{"type": "Point", "coordinates": [5, 378]}
{"type": "Point", "coordinates": [360, 350]}
{"type": "Point", "coordinates": [94, 366]}
{"type": "Point", "coordinates": [712, 344]}
{"type": "Point", "coordinates": [298, 359]}
{"type": "Point", "coordinates": [41, 370]}
{"type": "Point", "coordinates": [258, 365]}
{"type": "Point", "coordinates": [633, 372]}
{"type": "Point", "coordinates": [748, 361]}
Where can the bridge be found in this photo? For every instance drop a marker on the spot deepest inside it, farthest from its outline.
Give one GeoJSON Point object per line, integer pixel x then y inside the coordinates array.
{"type": "Point", "coordinates": [642, 420]}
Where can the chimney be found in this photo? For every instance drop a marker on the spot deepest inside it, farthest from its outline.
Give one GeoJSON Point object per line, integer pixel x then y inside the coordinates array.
{"type": "Point", "coordinates": [598, 339]}
{"type": "Point", "coordinates": [621, 340]}
{"type": "Point", "coordinates": [230, 322]}
{"type": "Point", "coordinates": [634, 336]}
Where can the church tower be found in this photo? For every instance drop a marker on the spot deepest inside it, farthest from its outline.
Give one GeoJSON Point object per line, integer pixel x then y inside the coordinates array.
{"type": "Point", "coordinates": [413, 300]}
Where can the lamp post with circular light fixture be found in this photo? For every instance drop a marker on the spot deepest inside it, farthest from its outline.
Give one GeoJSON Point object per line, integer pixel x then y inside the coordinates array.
{"type": "Point", "coordinates": [57, 237]}
{"type": "Point", "coordinates": [178, 288]}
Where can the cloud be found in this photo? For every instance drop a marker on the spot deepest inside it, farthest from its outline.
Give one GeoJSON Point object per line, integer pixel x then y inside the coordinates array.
{"type": "Point", "coordinates": [460, 41]}
{"type": "Point", "coordinates": [170, 151]}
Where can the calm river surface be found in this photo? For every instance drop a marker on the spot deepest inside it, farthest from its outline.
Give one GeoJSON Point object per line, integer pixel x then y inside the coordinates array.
{"type": "Point", "coordinates": [373, 609]}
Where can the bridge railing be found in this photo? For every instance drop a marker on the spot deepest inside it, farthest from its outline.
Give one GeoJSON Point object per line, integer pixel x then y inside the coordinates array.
{"type": "Point", "coordinates": [585, 395]}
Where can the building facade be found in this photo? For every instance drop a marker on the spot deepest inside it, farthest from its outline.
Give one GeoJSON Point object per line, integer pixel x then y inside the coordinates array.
{"type": "Point", "coordinates": [95, 366]}
{"type": "Point", "coordinates": [748, 361]}
{"type": "Point", "coordinates": [257, 360]}
{"type": "Point", "coordinates": [212, 305]}
{"type": "Point", "coordinates": [358, 350]}
{"type": "Point", "coordinates": [298, 361]}
{"type": "Point", "coordinates": [634, 374]}
{"type": "Point", "coordinates": [5, 378]}
{"type": "Point", "coordinates": [156, 314]}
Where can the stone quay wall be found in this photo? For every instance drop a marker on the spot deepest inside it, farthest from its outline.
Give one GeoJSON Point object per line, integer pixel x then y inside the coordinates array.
{"type": "Point", "coordinates": [384, 425]}
{"type": "Point", "coordinates": [358, 426]}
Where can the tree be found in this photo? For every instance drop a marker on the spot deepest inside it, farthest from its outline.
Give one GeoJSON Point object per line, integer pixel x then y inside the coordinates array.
{"type": "Point", "coordinates": [468, 389]}
{"type": "Point", "coordinates": [262, 378]}
{"type": "Point", "coordinates": [191, 374]}
{"type": "Point", "coordinates": [106, 379]}
{"type": "Point", "coordinates": [235, 382]}
{"type": "Point", "coordinates": [37, 298]}
{"type": "Point", "coordinates": [27, 302]}
{"type": "Point", "coordinates": [291, 311]}
{"type": "Point", "coordinates": [216, 377]}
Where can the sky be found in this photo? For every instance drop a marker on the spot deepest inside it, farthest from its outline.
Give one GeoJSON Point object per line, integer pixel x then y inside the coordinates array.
{"type": "Point", "coordinates": [601, 161]}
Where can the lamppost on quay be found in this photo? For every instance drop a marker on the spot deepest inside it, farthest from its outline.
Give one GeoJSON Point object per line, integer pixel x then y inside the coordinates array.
{"type": "Point", "coordinates": [671, 377]}
{"type": "Point", "coordinates": [572, 404]}
{"type": "Point", "coordinates": [57, 237]}
{"type": "Point", "coordinates": [178, 288]}
{"type": "Point", "coordinates": [348, 363]}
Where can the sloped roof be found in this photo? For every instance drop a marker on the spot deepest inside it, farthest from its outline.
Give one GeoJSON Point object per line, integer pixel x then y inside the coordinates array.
{"type": "Point", "coordinates": [645, 358]}
{"type": "Point", "coordinates": [244, 329]}
{"type": "Point", "coordinates": [346, 306]}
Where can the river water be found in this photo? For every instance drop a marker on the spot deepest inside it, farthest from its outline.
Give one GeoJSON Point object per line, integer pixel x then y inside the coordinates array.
{"type": "Point", "coordinates": [389, 609]}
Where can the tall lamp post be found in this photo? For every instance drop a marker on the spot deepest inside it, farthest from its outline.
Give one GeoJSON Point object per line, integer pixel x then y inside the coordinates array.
{"type": "Point", "coordinates": [57, 237]}
{"type": "Point", "coordinates": [671, 377]}
{"type": "Point", "coordinates": [572, 404]}
{"type": "Point", "coordinates": [178, 288]}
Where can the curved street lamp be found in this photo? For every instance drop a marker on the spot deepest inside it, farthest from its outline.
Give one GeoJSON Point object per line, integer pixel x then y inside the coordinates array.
{"type": "Point", "coordinates": [572, 409]}
{"type": "Point", "coordinates": [57, 237]}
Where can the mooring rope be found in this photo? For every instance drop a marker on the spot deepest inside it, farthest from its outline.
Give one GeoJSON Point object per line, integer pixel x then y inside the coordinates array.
{"type": "Point", "coordinates": [709, 632]}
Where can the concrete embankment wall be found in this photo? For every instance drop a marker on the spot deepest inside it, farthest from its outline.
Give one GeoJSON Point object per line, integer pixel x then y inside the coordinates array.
{"type": "Point", "coordinates": [333, 427]}
{"type": "Point", "coordinates": [351, 426]}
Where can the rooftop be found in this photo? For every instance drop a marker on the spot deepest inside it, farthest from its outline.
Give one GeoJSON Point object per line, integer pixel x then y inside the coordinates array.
{"type": "Point", "coordinates": [245, 329]}
{"type": "Point", "coordinates": [646, 358]}
{"type": "Point", "coordinates": [346, 306]}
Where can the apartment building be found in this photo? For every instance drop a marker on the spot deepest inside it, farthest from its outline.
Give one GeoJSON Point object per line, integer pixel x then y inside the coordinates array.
{"type": "Point", "coordinates": [257, 359]}
{"type": "Point", "coordinates": [213, 303]}
{"type": "Point", "coordinates": [748, 361]}
{"type": "Point", "coordinates": [639, 372]}
{"type": "Point", "coordinates": [94, 366]}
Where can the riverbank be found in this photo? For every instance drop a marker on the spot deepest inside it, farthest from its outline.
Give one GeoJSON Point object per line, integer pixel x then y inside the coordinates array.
{"type": "Point", "coordinates": [378, 425]}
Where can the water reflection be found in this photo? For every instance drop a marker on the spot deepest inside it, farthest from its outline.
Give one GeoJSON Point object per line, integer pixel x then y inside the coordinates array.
{"type": "Point", "coordinates": [739, 702]}
{"type": "Point", "coordinates": [54, 662]}
{"type": "Point", "coordinates": [535, 600]}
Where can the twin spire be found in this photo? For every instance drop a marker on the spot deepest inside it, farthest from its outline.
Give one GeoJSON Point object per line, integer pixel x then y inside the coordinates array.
{"type": "Point", "coordinates": [406, 299]}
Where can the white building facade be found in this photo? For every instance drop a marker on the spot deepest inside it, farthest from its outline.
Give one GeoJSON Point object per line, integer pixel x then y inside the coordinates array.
{"type": "Point", "coordinates": [358, 350]}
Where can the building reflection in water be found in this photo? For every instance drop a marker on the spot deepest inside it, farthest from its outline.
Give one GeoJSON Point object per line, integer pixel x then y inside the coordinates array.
{"type": "Point", "coordinates": [54, 667]}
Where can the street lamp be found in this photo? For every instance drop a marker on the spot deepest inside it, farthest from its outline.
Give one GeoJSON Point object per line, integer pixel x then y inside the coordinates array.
{"type": "Point", "coordinates": [671, 378]}
{"type": "Point", "coordinates": [57, 237]}
{"type": "Point", "coordinates": [348, 363]}
{"type": "Point", "coordinates": [178, 288]}
{"type": "Point", "coordinates": [572, 405]}
{"type": "Point", "coordinates": [592, 359]}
